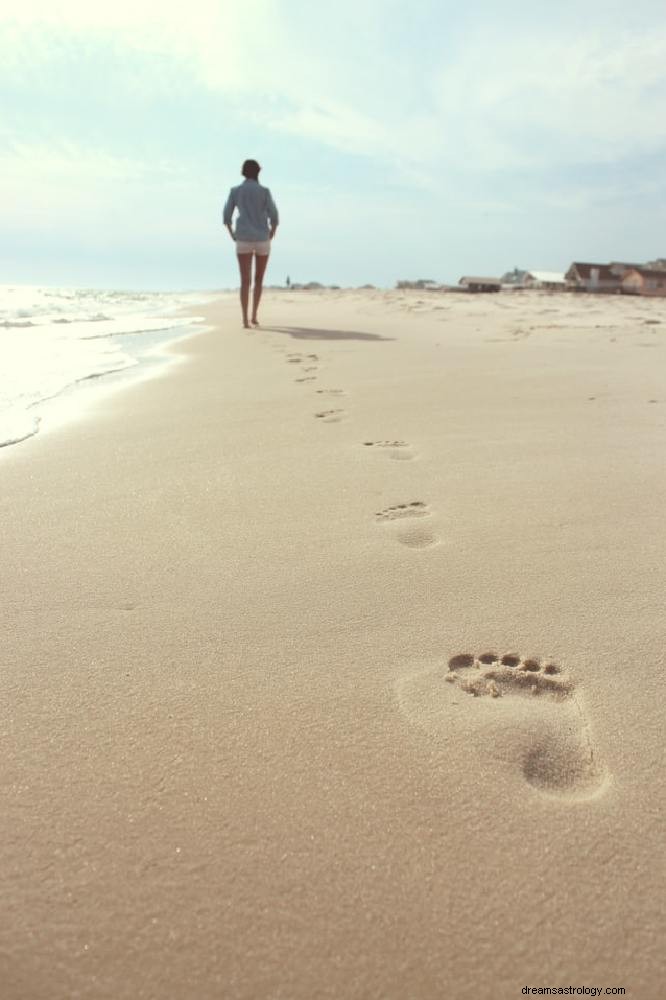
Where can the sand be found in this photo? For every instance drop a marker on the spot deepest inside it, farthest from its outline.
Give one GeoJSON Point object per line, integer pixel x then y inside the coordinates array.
{"type": "Point", "coordinates": [333, 660]}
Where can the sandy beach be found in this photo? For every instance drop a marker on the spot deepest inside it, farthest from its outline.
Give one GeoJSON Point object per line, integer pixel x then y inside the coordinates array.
{"type": "Point", "coordinates": [333, 658]}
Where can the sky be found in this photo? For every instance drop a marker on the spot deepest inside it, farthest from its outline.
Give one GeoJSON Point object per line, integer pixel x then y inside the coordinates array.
{"type": "Point", "coordinates": [399, 140]}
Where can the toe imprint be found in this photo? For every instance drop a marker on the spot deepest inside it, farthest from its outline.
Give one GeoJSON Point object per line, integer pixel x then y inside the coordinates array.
{"type": "Point", "coordinates": [488, 674]}
{"type": "Point", "coordinates": [295, 359]}
{"type": "Point", "coordinates": [330, 416]}
{"type": "Point", "coordinates": [416, 508]}
{"type": "Point", "coordinates": [510, 660]}
{"type": "Point", "coordinates": [385, 444]}
{"type": "Point", "coordinates": [398, 450]}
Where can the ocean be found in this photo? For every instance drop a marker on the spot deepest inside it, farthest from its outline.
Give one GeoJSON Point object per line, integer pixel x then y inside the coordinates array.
{"type": "Point", "coordinates": [53, 340]}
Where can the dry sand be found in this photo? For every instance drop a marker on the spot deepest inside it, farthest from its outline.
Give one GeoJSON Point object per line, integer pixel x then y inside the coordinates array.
{"type": "Point", "coordinates": [258, 740]}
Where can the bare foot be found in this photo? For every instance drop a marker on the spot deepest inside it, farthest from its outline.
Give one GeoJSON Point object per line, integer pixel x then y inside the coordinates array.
{"type": "Point", "coordinates": [255, 321]}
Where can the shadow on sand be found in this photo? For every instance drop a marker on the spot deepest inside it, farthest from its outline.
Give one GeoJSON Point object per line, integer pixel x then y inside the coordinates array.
{"type": "Point", "coordinates": [306, 333]}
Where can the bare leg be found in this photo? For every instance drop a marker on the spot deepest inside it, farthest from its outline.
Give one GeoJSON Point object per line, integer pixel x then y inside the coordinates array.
{"type": "Point", "coordinates": [260, 262]}
{"type": "Point", "coordinates": [245, 265]}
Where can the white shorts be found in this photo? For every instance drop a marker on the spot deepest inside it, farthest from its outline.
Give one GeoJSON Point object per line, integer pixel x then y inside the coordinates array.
{"type": "Point", "coordinates": [261, 247]}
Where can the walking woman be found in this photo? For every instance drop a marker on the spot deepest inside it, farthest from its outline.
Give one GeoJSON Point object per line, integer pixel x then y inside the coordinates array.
{"type": "Point", "coordinates": [256, 224]}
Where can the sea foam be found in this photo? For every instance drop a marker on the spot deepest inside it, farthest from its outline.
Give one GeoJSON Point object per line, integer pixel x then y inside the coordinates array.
{"type": "Point", "coordinates": [53, 338]}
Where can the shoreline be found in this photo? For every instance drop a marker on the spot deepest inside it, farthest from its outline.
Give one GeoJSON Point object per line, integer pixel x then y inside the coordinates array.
{"type": "Point", "coordinates": [76, 400]}
{"type": "Point", "coordinates": [257, 743]}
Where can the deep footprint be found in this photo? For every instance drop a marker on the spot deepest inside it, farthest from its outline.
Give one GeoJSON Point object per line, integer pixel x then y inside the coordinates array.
{"type": "Point", "coordinates": [526, 699]}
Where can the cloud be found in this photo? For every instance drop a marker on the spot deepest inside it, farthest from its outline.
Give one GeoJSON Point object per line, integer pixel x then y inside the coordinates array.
{"type": "Point", "coordinates": [67, 159]}
{"type": "Point", "coordinates": [498, 93]}
{"type": "Point", "coordinates": [214, 36]}
{"type": "Point", "coordinates": [528, 98]}
{"type": "Point", "coordinates": [68, 187]}
{"type": "Point", "coordinates": [336, 125]}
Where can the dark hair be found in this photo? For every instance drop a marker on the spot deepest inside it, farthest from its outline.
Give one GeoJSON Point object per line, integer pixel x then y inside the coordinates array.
{"type": "Point", "coordinates": [251, 169]}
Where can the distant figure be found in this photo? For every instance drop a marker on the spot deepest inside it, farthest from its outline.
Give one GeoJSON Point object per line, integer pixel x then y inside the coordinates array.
{"type": "Point", "coordinates": [288, 281]}
{"type": "Point", "coordinates": [256, 225]}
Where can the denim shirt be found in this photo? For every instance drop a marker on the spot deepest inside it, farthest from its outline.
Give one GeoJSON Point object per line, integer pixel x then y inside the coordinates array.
{"type": "Point", "coordinates": [255, 208]}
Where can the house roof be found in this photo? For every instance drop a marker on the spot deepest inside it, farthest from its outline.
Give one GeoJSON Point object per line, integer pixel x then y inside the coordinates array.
{"type": "Point", "coordinates": [551, 276]}
{"type": "Point", "coordinates": [585, 271]}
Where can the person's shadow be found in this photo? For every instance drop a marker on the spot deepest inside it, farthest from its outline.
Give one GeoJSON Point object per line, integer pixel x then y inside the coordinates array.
{"type": "Point", "coordinates": [315, 333]}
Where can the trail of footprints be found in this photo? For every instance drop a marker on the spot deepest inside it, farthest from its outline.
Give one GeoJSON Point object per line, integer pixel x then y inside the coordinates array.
{"type": "Point", "coordinates": [399, 518]}
{"type": "Point", "coordinates": [529, 709]}
{"type": "Point", "coordinates": [525, 712]}
{"type": "Point", "coordinates": [309, 366]}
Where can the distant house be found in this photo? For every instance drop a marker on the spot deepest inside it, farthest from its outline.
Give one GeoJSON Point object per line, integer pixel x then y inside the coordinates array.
{"type": "Point", "coordinates": [644, 281]}
{"type": "Point", "coordinates": [480, 284]}
{"type": "Point", "coordinates": [554, 281]}
{"type": "Point", "coordinates": [515, 278]}
{"type": "Point", "coordinates": [593, 278]}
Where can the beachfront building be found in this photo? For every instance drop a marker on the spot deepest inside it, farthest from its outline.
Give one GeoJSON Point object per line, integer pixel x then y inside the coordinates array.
{"type": "Point", "coordinates": [514, 279]}
{"type": "Point", "coordinates": [553, 281]}
{"type": "Point", "coordinates": [469, 284]}
{"type": "Point", "coordinates": [644, 281]}
{"type": "Point", "coordinates": [593, 278]}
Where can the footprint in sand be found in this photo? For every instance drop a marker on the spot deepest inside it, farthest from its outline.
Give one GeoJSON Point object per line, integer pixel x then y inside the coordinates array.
{"type": "Point", "coordinates": [331, 392]}
{"type": "Point", "coordinates": [306, 378]}
{"type": "Point", "coordinates": [398, 450]}
{"type": "Point", "coordinates": [301, 359]}
{"type": "Point", "coordinates": [330, 416]}
{"type": "Point", "coordinates": [415, 508]}
{"type": "Point", "coordinates": [398, 517]}
{"type": "Point", "coordinates": [528, 709]}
